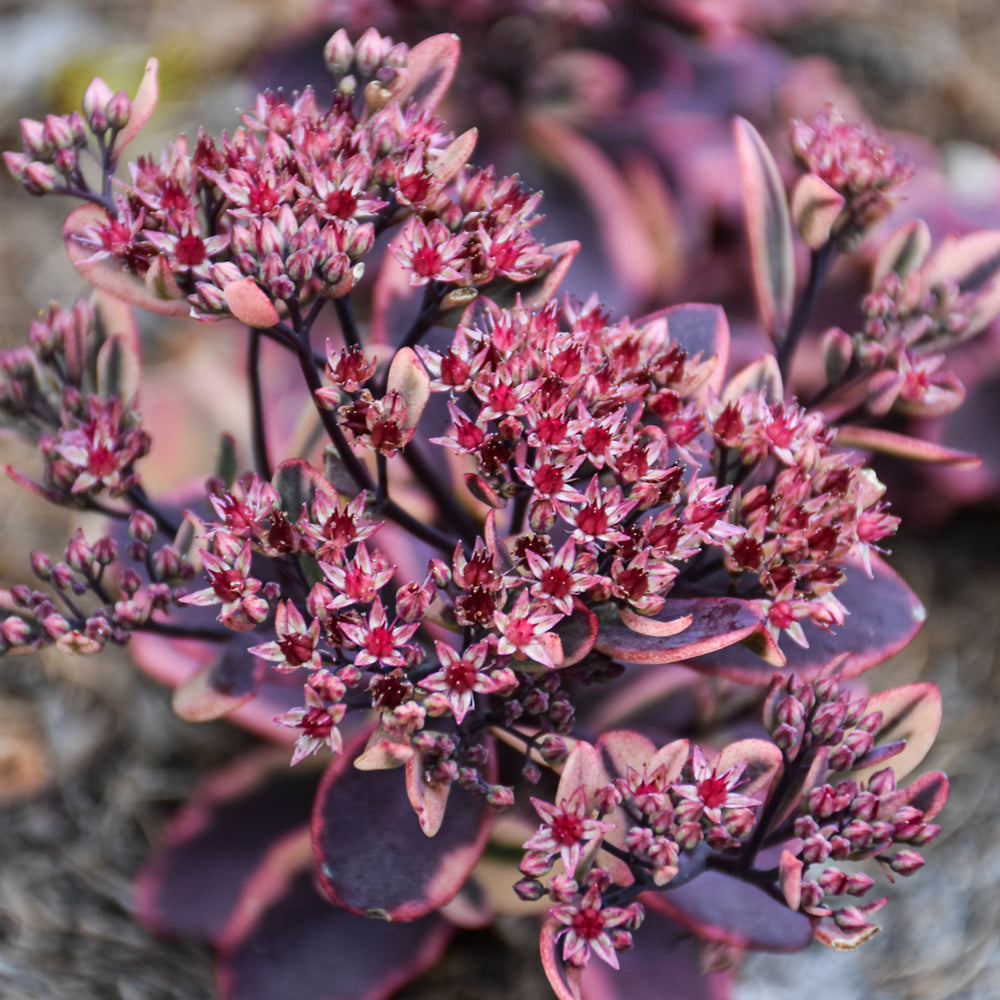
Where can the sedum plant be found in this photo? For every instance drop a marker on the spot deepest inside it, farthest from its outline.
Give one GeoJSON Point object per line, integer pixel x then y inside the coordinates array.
{"type": "Point", "coordinates": [553, 612]}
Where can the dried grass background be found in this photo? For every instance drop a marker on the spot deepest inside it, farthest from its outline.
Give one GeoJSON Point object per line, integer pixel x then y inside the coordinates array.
{"type": "Point", "coordinates": [92, 761]}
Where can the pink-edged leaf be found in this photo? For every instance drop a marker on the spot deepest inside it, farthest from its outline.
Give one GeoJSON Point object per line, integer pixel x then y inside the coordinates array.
{"type": "Point", "coordinates": [827, 932]}
{"type": "Point", "coordinates": [143, 106]}
{"type": "Point", "coordinates": [660, 945]}
{"type": "Point", "coordinates": [430, 68]}
{"type": "Point", "coordinates": [405, 873]}
{"type": "Point", "coordinates": [250, 304]}
{"type": "Point", "coordinates": [455, 156]}
{"type": "Point", "coordinates": [815, 207]}
{"type": "Point", "coordinates": [160, 280]}
{"type": "Point", "coordinates": [769, 229]}
{"type": "Point", "coordinates": [173, 661]}
{"type": "Point", "coordinates": [790, 878]}
{"type": "Point", "coordinates": [118, 366]}
{"type": "Point", "coordinates": [654, 625]}
{"type": "Point", "coordinates": [726, 909]}
{"type": "Point", "coordinates": [583, 769]}
{"type": "Point", "coordinates": [762, 759]}
{"type": "Point", "coordinates": [409, 378]}
{"type": "Point", "coordinates": [216, 689]}
{"type": "Point", "coordinates": [657, 701]}
{"type": "Point", "coordinates": [577, 634]}
{"type": "Point", "coordinates": [214, 844]}
{"type": "Point", "coordinates": [428, 799]}
{"type": "Point", "coordinates": [929, 793]}
{"type": "Point", "coordinates": [914, 449]}
{"type": "Point", "coordinates": [700, 328]}
{"type": "Point", "coordinates": [622, 749]}
{"type": "Point", "coordinates": [884, 616]}
{"type": "Point", "coordinates": [972, 261]}
{"type": "Point", "coordinates": [540, 290]}
{"type": "Point", "coordinates": [286, 941]}
{"type": "Point", "coordinates": [383, 751]}
{"type": "Point", "coordinates": [564, 980]}
{"type": "Point", "coordinates": [911, 714]}
{"type": "Point", "coordinates": [298, 483]}
{"type": "Point", "coordinates": [104, 274]}
{"type": "Point", "coordinates": [716, 622]}
{"type": "Point", "coordinates": [762, 375]}
{"type": "Point", "coordinates": [904, 251]}
{"type": "Point", "coordinates": [624, 234]}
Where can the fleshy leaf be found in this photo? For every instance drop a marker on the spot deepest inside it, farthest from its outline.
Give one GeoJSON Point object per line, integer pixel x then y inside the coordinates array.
{"type": "Point", "coordinates": [218, 839]}
{"type": "Point", "coordinates": [250, 304]}
{"type": "Point", "coordinates": [143, 106]}
{"type": "Point", "coordinates": [410, 874]}
{"type": "Point", "coordinates": [430, 68]}
{"type": "Point", "coordinates": [118, 365]}
{"type": "Point", "coordinates": [537, 292]}
{"type": "Point", "coordinates": [815, 207]}
{"type": "Point", "coordinates": [762, 375]}
{"type": "Point", "coordinates": [287, 941]}
{"type": "Point", "coordinates": [217, 688]}
{"type": "Point", "coordinates": [972, 261]}
{"type": "Point", "coordinates": [429, 799]}
{"type": "Point", "coordinates": [790, 877]}
{"type": "Point", "coordinates": [769, 229]}
{"type": "Point", "coordinates": [716, 622]}
{"type": "Point", "coordinates": [409, 378]}
{"type": "Point", "coordinates": [912, 714]}
{"type": "Point", "coordinates": [929, 793]}
{"type": "Point", "coordinates": [455, 156]}
{"type": "Point", "coordinates": [661, 944]}
{"type": "Point", "coordinates": [651, 625]}
{"type": "Point", "coordinates": [904, 251]}
{"type": "Point", "coordinates": [577, 634]}
{"type": "Point", "coordinates": [762, 758]}
{"type": "Point", "coordinates": [101, 271]}
{"type": "Point", "coordinates": [914, 449]}
{"type": "Point", "coordinates": [884, 615]}
{"type": "Point", "coordinates": [721, 908]}
{"type": "Point", "coordinates": [564, 980]}
{"type": "Point", "coordinates": [630, 249]}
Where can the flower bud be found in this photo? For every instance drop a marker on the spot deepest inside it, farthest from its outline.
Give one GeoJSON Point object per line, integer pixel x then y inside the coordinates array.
{"type": "Point", "coordinates": [501, 797]}
{"type": "Point", "coordinates": [534, 863]}
{"type": "Point", "coordinates": [338, 53]}
{"type": "Point", "coordinates": [40, 178]}
{"type": "Point", "coordinates": [370, 51]}
{"type": "Point", "coordinates": [15, 631]}
{"type": "Point", "coordinates": [95, 102]}
{"type": "Point", "coordinates": [858, 884]}
{"type": "Point", "coordinates": [688, 836]}
{"type": "Point", "coordinates": [35, 138]}
{"type": "Point", "coordinates": [562, 888]}
{"type": "Point", "coordinates": [17, 164]}
{"type": "Point", "coordinates": [141, 526]}
{"type": "Point", "coordinates": [41, 565]}
{"type": "Point", "coordinates": [118, 110]}
{"type": "Point", "coordinates": [529, 889]}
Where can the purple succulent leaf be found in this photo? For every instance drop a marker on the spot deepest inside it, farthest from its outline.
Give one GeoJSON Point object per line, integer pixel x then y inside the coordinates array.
{"type": "Point", "coordinates": [721, 908]}
{"type": "Point", "coordinates": [298, 483]}
{"type": "Point", "coordinates": [884, 616]}
{"type": "Point", "coordinates": [911, 717]}
{"type": "Point", "coordinates": [624, 234]}
{"type": "Point", "coordinates": [406, 874]}
{"type": "Point", "coordinates": [285, 940]}
{"type": "Point", "coordinates": [716, 622]}
{"type": "Point", "coordinates": [904, 446]}
{"type": "Point", "coordinates": [769, 229]}
{"type": "Point", "coordinates": [228, 669]}
{"type": "Point", "coordinates": [656, 701]}
{"type": "Point", "coordinates": [577, 634]}
{"type": "Point", "coordinates": [762, 375]}
{"type": "Point", "coordinates": [583, 769]}
{"type": "Point", "coordinates": [972, 261]}
{"type": "Point", "coordinates": [929, 793]}
{"type": "Point", "coordinates": [660, 944]}
{"type": "Point", "coordinates": [215, 843]}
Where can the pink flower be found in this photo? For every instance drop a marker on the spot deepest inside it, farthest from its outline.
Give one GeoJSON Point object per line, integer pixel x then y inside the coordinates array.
{"type": "Point", "coordinates": [378, 641]}
{"type": "Point", "coordinates": [461, 676]}
{"type": "Point", "coordinates": [567, 829]}
{"type": "Point", "coordinates": [586, 928]}
{"type": "Point", "coordinates": [522, 628]}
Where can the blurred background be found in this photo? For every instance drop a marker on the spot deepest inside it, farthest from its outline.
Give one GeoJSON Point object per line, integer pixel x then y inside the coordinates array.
{"type": "Point", "coordinates": [619, 110]}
